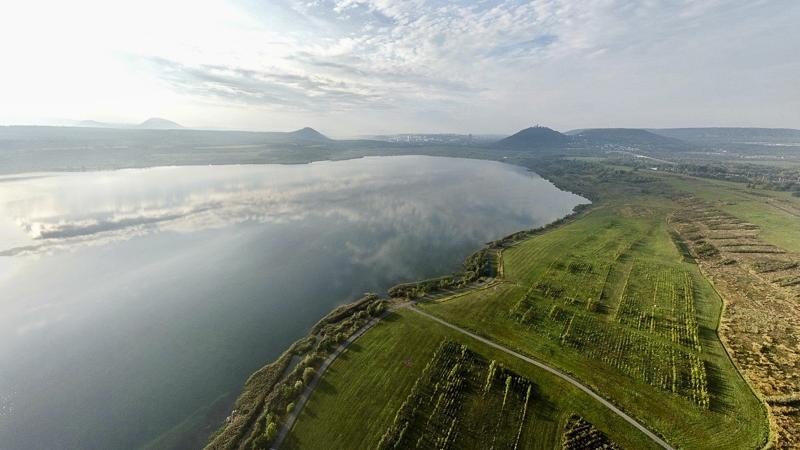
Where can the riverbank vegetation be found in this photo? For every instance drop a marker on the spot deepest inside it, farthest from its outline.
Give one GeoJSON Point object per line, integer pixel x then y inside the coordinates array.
{"type": "Point", "coordinates": [269, 394]}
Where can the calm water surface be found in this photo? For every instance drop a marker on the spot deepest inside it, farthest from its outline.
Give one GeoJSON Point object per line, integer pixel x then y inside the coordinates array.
{"type": "Point", "coordinates": [134, 303]}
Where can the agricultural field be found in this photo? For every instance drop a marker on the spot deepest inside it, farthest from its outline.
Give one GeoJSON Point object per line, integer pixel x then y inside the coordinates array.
{"type": "Point", "coordinates": [462, 399]}
{"type": "Point", "coordinates": [776, 214]}
{"type": "Point", "coordinates": [612, 299]}
{"type": "Point", "coordinates": [761, 285]}
{"type": "Point", "coordinates": [375, 377]}
{"type": "Point", "coordinates": [580, 434]}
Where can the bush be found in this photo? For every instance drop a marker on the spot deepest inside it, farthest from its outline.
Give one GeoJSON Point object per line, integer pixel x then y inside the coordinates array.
{"type": "Point", "coordinates": [272, 431]}
{"type": "Point", "coordinates": [308, 374]}
{"type": "Point", "coordinates": [377, 308]}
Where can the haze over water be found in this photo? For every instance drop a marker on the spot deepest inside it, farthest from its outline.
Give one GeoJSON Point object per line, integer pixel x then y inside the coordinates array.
{"type": "Point", "coordinates": [133, 299]}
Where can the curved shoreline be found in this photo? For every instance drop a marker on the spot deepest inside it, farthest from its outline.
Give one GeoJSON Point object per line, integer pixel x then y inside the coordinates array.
{"type": "Point", "coordinates": [474, 266]}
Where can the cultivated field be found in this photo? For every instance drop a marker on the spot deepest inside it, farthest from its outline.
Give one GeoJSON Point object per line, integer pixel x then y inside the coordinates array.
{"type": "Point", "coordinates": [776, 214]}
{"type": "Point", "coordinates": [761, 286]}
{"type": "Point", "coordinates": [461, 399]}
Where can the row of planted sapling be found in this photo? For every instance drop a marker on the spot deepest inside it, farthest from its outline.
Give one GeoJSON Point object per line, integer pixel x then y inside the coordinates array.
{"type": "Point", "coordinates": [580, 435]}
{"type": "Point", "coordinates": [650, 331]}
{"type": "Point", "coordinates": [463, 400]}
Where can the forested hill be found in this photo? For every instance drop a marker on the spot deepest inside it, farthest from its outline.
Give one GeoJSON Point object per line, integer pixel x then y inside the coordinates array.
{"type": "Point", "coordinates": [625, 136]}
{"type": "Point", "coordinates": [733, 135]}
{"type": "Point", "coordinates": [535, 138]}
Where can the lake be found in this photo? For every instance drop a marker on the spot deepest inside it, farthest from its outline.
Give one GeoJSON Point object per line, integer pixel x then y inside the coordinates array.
{"type": "Point", "coordinates": [136, 302]}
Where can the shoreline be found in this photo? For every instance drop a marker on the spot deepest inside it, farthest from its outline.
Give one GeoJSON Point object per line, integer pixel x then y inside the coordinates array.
{"type": "Point", "coordinates": [478, 261]}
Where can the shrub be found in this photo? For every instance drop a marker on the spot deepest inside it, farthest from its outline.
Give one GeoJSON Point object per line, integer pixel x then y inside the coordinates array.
{"type": "Point", "coordinates": [272, 431]}
{"type": "Point", "coordinates": [308, 374]}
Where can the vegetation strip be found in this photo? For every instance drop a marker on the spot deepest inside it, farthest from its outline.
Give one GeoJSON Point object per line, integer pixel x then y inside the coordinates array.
{"type": "Point", "coordinates": [580, 434]}
{"type": "Point", "coordinates": [301, 401]}
{"type": "Point", "coordinates": [555, 372]}
{"type": "Point", "coordinates": [262, 408]}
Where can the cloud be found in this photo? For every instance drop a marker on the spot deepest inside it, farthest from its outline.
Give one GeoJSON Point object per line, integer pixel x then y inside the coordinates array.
{"type": "Point", "coordinates": [365, 66]}
{"type": "Point", "coordinates": [523, 48]}
{"type": "Point", "coordinates": [248, 86]}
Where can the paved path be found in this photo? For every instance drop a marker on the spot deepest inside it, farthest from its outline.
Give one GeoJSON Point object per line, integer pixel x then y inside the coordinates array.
{"type": "Point", "coordinates": [301, 401]}
{"type": "Point", "coordinates": [553, 371]}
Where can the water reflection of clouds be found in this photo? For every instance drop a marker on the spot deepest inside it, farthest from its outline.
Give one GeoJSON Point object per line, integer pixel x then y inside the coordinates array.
{"type": "Point", "coordinates": [50, 225]}
{"type": "Point", "coordinates": [65, 211]}
{"type": "Point", "coordinates": [206, 261]}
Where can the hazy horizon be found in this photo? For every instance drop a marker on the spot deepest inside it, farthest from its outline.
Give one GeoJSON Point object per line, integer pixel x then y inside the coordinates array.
{"type": "Point", "coordinates": [334, 135]}
{"type": "Point", "coordinates": [365, 67]}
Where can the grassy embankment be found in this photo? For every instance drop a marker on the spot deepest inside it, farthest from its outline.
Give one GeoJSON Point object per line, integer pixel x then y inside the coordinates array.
{"type": "Point", "coordinates": [608, 297]}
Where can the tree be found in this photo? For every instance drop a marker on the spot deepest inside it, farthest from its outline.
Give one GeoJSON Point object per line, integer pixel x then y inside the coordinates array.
{"type": "Point", "coordinates": [377, 308]}
{"type": "Point", "coordinates": [272, 431]}
{"type": "Point", "coordinates": [308, 374]}
{"type": "Point", "coordinates": [289, 408]}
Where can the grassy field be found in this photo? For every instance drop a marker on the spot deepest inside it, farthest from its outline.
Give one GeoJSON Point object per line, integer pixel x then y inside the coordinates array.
{"type": "Point", "coordinates": [610, 299]}
{"type": "Point", "coordinates": [361, 393]}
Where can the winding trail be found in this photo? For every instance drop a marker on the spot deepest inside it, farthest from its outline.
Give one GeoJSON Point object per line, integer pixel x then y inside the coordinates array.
{"type": "Point", "coordinates": [301, 401]}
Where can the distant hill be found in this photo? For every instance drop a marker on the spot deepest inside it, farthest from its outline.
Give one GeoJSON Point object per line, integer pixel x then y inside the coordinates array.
{"type": "Point", "coordinates": [534, 138]}
{"type": "Point", "coordinates": [625, 136]}
{"type": "Point", "coordinates": [722, 135]}
{"type": "Point", "coordinates": [157, 123]}
{"type": "Point", "coordinates": [307, 134]}
{"type": "Point", "coordinates": [438, 138]}
{"type": "Point", "coordinates": [96, 124]}
{"type": "Point", "coordinates": [153, 123]}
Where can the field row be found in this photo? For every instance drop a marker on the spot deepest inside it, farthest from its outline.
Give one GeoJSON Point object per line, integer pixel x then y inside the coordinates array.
{"type": "Point", "coordinates": [653, 336]}
{"type": "Point", "coordinates": [462, 398]}
{"type": "Point", "coordinates": [660, 300]}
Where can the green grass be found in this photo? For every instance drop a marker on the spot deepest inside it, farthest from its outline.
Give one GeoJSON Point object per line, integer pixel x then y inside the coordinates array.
{"type": "Point", "coordinates": [610, 299]}
{"type": "Point", "coordinates": [360, 394]}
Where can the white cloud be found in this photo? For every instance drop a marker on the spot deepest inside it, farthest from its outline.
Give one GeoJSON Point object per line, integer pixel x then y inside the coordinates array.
{"type": "Point", "coordinates": [359, 66]}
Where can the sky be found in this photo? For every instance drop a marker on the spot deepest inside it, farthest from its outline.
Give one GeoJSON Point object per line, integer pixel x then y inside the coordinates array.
{"type": "Point", "coordinates": [353, 67]}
